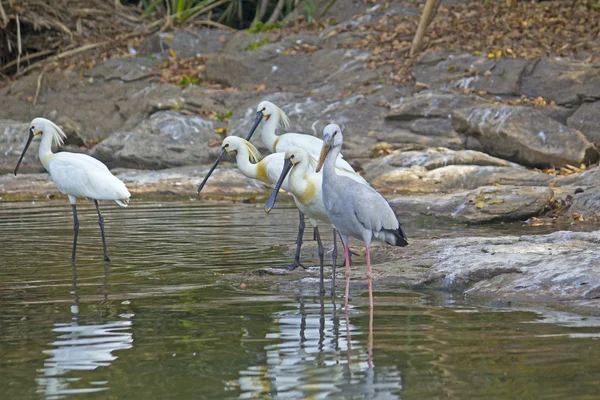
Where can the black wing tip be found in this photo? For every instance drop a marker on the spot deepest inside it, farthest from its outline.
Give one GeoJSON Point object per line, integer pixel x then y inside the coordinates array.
{"type": "Point", "coordinates": [400, 238]}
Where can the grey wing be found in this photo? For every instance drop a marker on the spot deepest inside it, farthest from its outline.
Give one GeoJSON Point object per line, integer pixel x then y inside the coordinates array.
{"type": "Point", "coordinates": [371, 209]}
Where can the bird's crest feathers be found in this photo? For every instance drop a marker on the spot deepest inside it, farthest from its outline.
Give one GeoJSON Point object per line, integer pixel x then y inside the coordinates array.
{"type": "Point", "coordinates": [284, 121]}
{"type": "Point", "coordinates": [253, 152]}
{"type": "Point", "coordinates": [57, 134]}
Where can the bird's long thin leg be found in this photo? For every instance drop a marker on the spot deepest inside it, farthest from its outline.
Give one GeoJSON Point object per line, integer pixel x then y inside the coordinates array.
{"type": "Point", "coordinates": [370, 279]}
{"type": "Point", "coordinates": [297, 262]}
{"type": "Point", "coordinates": [75, 232]}
{"type": "Point", "coordinates": [321, 253]}
{"type": "Point", "coordinates": [333, 262]}
{"type": "Point", "coordinates": [347, 275]}
{"type": "Point", "coordinates": [371, 310]}
{"type": "Point", "coordinates": [101, 223]}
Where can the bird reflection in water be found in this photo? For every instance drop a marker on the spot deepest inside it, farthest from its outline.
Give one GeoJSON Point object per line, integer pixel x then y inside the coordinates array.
{"type": "Point", "coordinates": [316, 357]}
{"type": "Point", "coordinates": [82, 348]}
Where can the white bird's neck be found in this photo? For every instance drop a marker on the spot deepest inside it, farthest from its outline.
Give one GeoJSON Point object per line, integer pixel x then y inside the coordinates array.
{"type": "Point", "coordinates": [242, 160]}
{"type": "Point", "coordinates": [297, 179]}
{"type": "Point", "coordinates": [269, 137]}
{"type": "Point", "coordinates": [329, 164]}
{"type": "Point", "coordinates": [45, 150]}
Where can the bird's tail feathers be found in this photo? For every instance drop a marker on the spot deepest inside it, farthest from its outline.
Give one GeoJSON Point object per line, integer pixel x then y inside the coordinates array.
{"type": "Point", "coordinates": [396, 237]}
{"type": "Point", "coordinates": [122, 202]}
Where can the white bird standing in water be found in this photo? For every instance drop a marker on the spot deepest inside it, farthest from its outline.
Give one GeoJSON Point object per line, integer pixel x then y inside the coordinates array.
{"type": "Point", "coordinates": [250, 162]}
{"type": "Point", "coordinates": [306, 186]}
{"type": "Point", "coordinates": [76, 175]}
{"type": "Point", "coordinates": [354, 209]}
{"type": "Point", "coordinates": [274, 117]}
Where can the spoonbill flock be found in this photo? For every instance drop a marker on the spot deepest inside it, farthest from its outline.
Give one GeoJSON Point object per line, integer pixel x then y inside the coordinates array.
{"type": "Point", "coordinates": [337, 196]}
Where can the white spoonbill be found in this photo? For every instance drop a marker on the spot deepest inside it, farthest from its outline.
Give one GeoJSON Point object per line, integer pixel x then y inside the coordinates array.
{"type": "Point", "coordinates": [274, 116]}
{"type": "Point", "coordinates": [76, 175]}
{"type": "Point", "coordinates": [354, 209]}
{"type": "Point", "coordinates": [250, 162]}
{"type": "Point", "coordinates": [306, 186]}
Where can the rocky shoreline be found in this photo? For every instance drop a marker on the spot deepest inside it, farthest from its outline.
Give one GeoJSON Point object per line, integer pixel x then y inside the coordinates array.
{"type": "Point", "coordinates": [475, 140]}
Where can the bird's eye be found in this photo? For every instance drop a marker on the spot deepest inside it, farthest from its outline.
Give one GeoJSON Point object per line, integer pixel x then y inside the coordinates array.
{"type": "Point", "coordinates": [292, 156]}
{"type": "Point", "coordinates": [264, 109]}
{"type": "Point", "coordinates": [33, 128]}
{"type": "Point", "coordinates": [226, 145]}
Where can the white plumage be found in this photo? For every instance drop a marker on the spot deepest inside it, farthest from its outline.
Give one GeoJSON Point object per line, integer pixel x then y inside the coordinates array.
{"type": "Point", "coordinates": [306, 186]}
{"type": "Point", "coordinates": [76, 175]}
{"type": "Point", "coordinates": [275, 117]}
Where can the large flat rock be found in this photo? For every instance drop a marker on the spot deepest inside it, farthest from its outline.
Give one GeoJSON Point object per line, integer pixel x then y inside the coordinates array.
{"type": "Point", "coordinates": [524, 135]}
{"type": "Point", "coordinates": [166, 139]}
{"type": "Point", "coordinates": [560, 266]}
{"type": "Point", "coordinates": [484, 204]}
{"type": "Point", "coordinates": [562, 80]}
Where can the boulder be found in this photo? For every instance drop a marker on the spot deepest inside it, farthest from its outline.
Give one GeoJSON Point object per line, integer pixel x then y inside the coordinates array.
{"type": "Point", "coordinates": [340, 68]}
{"type": "Point", "coordinates": [124, 69]}
{"type": "Point", "coordinates": [524, 135]}
{"type": "Point", "coordinates": [485, 204]}
{"type": "Point", "coordinates": [13, 136]}
{"type": "Point", "coordinates": [166, 139]}
{"type": "Point", "coordinates": [565, 81]}
{"type": "Point", "coordinates": [587, 120]}
{"type": "Point", "coordinates": [465, 71]}
{"type": "Point", "coordinates": [440, 169]}
{"type": "Point", "coordinates": [186, 44]}
{"type": "Point", "coordinates": [431, 104]}
{"type": "Point", "coordinates": [560, 266]}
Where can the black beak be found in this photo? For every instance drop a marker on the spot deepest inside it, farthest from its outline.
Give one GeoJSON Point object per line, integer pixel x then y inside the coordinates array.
{"type": "Point", "coordinates": [31, 135]}
{"type": "Point", "coordinates": [259, 117]}
{"type": "Point", "coordinates": [219, 158]}
{"type": "Point", "coordinates": [287, 166]}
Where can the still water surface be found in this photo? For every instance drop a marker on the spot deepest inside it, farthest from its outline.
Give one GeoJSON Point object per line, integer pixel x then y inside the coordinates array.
{"type": "Point", "coordinates": [160, 322]}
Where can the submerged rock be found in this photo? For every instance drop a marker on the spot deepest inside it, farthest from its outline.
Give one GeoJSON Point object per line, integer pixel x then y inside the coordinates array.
{"type": "Point", "coordinates": [560, 266]}
{"type": "Point", "coordinates": [525, 136]}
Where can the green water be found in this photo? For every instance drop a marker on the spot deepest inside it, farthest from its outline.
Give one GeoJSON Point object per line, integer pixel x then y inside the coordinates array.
{"type": "Point", "coordinates": [162, 322]}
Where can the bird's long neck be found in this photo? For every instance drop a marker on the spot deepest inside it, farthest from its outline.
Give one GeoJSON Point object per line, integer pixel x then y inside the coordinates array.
{"type": "Point", "coordinates": [329, 164]}
{"type": "Point", "coordinates": [242, 159]}
{"type": "Point", "coordinates": [45, 149]}
{"type": "Point", "coordinates": [269, 137]}
{"type": "Point", "coordinates": [297, 180]}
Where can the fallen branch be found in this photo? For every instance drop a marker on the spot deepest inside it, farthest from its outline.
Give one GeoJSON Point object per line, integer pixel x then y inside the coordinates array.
{"type": "Point", "coordinates": [426, 17]}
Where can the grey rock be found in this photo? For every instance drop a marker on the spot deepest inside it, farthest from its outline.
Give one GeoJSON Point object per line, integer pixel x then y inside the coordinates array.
{"type": "Point", "coordinates": [587, 120]}
{"type": "Point", "coordinates": [431, 104]}
{"type": "Point", "coordinates": [560, 266]}
{"type": "Point", "coordinates": [166, 139]}
{"type": "Point", "coordinates": [565, 81]}
{"type": "Point", "coordinates": [124, 69]}
{"type": "Point", "coordinates": [485, 204]}
{"type": "Point", "coordinates": [186, 44]}
{"type": "Point", "coordinates": [524, 135]}
{"type": "Point", "coordinates": [465, 71]}
{"type": "Point", "coordinates": [13, 135]}
{"type": "Point", "coordinates": [303, 71]}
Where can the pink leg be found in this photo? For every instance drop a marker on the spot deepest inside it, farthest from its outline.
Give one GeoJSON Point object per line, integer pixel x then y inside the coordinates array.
{"type": "Point", "coordinates": [370, 279]}
{"type": "Point", "coordinates": [347, 276]}
{"type": "Point", "coordinates": [348, 338]}
{"type": "Point", "coordinates": [371, 311]}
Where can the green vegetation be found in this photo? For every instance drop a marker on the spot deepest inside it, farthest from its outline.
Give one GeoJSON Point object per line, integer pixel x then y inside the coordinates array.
{"type": "Point", "coordinates": [256, 45]}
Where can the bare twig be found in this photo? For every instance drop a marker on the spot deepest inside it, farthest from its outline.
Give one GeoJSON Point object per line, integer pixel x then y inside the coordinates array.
{"type": "Point", "coordinates": [426, 17]}
{"type": "Point", "coordinates": [4, 17]}
{"type": "Point", "coordinates": [275, 16]}
{"type": "Point", "coordinates": [207, 9]}
{"type": "Point", "coordinates": [19, 48]}
{"type": "Point", "coordinates": [26, 58]}
{"type": "Point", "coordinates": [215, 24]}
{"type": "Point", "coordinates": [39, 86]}
{"type": "Point", "coordinates": [261, 11]}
